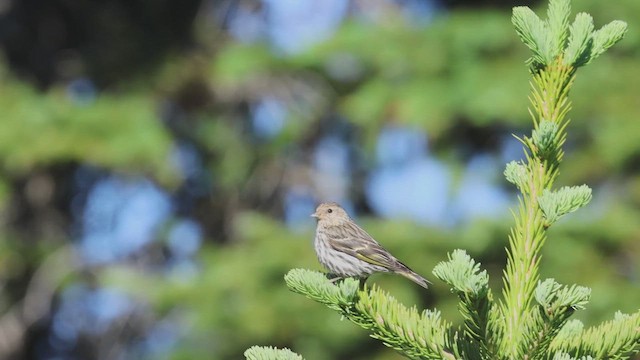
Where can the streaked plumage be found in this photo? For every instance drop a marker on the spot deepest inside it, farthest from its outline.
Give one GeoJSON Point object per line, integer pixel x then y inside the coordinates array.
{"type": "Point", "coordinates": [346, 250]}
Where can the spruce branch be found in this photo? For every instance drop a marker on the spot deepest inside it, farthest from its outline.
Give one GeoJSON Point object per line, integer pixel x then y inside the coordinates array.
{"type": "Point", "coordinates": [516, 173]}
{"type": "Point", "coordinates": [315, 285]}
{"type": "Point", "coordinates": [534, 34]}
{"type": "Point", "coordinates": [555, 299]}
{"type": "Point", "coordinates": [615, 339]}
{"type": "Point", "coordinates": [558, 50]}
{"type": "Point", "coordinates": [567, 199]}
{"type": "Point", "coordinates": [531, 321]}
{"type": "Point", "coordinates": [417, 335]}
{"type": "Point", "coordinates": [607, 36]}
{"type": "Point", "coordinates": [538, 205]}
{"type": "Point", "coordinates": [550, 97]}
{"type": "Point", "coordinates": [585, 45]}
{"type": "Point", "coordinates": [270, 353]}
{"type": "Point", "coordinates": [558, 25]}
{"type": "Point", "coordinates": [463, 274]}
{"type": "Point", "coordinates": [476, 302]}
{"type": "Point", "coordinates": [565, 356]}
{"type": "Point", "coordinates": [578, 52]}
{"type": "Point", "coordinates": [571, 328]}
{"type": "Point", "coordinates": [544, 139]}
{"type": "Point", "coordinates": [549, 40]}
{"type": "Point", "coordinates": [556, 303]}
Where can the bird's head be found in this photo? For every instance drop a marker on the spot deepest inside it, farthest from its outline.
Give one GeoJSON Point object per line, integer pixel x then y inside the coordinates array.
{"type": "Point", "coordinates": [331, 214]}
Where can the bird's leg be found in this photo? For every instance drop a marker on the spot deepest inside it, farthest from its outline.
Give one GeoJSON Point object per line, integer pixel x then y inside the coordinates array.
{"type": "Point", "coordinates": [363, 280]}
{"type": "Point", "coordinates": [334, 277]}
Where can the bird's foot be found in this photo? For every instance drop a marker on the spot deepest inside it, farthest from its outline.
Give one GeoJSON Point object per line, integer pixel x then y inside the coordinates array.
{"type": "Point", "coordinates": [334, 279]}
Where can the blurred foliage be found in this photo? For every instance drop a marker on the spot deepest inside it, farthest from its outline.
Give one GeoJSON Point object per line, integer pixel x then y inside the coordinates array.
{"type": "Point", "coordinates": [461, 78]}
{"type": "Point", "coordinates": [119, 132]}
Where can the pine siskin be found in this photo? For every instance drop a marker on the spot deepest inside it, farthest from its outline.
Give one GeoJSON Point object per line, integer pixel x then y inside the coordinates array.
{"type": "Point", "coordinates": [346, 250]}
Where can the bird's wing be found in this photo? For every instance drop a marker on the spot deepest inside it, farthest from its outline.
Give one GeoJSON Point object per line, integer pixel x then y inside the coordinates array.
{"type": "Point", "coordinates": [354, 241]}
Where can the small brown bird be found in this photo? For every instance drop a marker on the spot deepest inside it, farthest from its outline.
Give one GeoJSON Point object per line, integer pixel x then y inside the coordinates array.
{"type": "Point", "coordinates": [346, 250]}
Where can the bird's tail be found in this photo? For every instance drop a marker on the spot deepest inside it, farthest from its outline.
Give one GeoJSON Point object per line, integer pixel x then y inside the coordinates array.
{"type": "Point", "coordinates": [411, 275]}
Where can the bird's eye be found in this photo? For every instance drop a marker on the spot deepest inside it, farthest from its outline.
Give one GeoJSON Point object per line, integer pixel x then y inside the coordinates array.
{"type": "Point", "coordinates": [330, 211]}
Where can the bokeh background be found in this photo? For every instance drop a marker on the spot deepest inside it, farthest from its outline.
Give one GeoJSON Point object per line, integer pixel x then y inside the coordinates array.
{"type": "Point", "coordinates": [159, 161]}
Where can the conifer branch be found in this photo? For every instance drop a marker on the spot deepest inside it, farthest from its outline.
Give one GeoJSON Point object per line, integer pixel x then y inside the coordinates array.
{"type": "Point", "coordinates": [531, 322]}
{"type": "Point", "coordinates": [555, 204]}
{"type": "Point", "coordinates": [476, 302]}
{"type": "Point", "coordinates": [539, 206]}
{"type": "Point", "coordinates": [565, 356]}
{"type": "Point", "coordinates": [270, 353]}
{"type": "Point", "coordinates": [417, 335]}
{"type": "Point", "coordinates": [614, 339]}
{"type": "Point", "coordinates": [556, 303]}
{"type": "Point", "coordinates": [314, 285]}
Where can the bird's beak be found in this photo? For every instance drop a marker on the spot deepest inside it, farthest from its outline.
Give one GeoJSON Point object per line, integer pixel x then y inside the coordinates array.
{"type": "Point", "coordinates": [314, 215]}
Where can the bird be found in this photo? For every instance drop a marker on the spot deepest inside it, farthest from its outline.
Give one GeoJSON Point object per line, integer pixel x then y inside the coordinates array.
{"type": "Point", "coordinates": [346, 250]}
